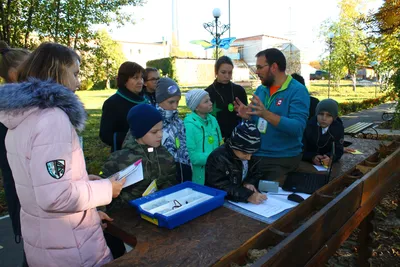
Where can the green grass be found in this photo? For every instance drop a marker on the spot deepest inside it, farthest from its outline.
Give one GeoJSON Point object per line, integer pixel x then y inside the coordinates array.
{"type": "Point", "coordinates": [344, 93]}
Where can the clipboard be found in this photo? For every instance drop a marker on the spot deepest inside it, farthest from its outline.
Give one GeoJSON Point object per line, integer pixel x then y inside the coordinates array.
{"type": "Point", "coordinates": [132, 173]}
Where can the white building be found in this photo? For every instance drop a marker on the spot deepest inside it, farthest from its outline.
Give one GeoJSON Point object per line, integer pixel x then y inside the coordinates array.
{"type": "Point", "coordinates": [248, 47]}
{"type": "Point", "coordinates": [142, 52]}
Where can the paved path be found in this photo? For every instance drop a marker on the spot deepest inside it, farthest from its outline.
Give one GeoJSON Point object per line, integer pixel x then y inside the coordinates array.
{"type": "Point", "coordinates": [10, 252]}
{"type": "Point", "coordinates": [368, 115]}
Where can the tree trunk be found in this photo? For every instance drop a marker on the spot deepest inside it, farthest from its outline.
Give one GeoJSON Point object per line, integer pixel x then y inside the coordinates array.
{"type": "Point", "coordinates": [2, 31]}
{"type": "Point", "coordinates": [6, 25]}
{"type": "Point", "coordinates": [354, 80]}
{"type": "Point", "coordinates": [57, 17]}
{"type": "Point", "coordinates": [29, 22]}
{"type": "Point", "coordinates": [83, 17]}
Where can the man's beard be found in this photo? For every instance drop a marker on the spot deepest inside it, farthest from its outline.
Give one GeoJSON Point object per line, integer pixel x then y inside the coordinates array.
{"type": "Point", "coordinates": [269, 81]}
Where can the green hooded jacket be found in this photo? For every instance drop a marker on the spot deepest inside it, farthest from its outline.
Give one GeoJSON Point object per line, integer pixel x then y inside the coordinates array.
{"type": "Point", "coordinates": [202, 137]}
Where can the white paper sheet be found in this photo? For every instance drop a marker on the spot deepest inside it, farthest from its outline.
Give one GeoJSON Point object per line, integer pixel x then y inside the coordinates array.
{"type": "Point", "coordinates": [133, 173]}
{"type": "Point", "coordinates": [320, 168]}
{"type": "Point", "coordinates": [276, 203]}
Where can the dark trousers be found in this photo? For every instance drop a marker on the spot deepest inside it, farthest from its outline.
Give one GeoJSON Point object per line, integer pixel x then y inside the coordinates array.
{"type": "Point", "coordinates": [276, 169]}
{"type": "Point", "coordinates": [183, 172]}
{"type": "Point", "coordinates": [115, 244]}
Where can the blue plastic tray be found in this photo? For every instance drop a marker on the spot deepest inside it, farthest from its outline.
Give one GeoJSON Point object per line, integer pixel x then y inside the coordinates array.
{"type": "Point", "coordinates": [170, 217]}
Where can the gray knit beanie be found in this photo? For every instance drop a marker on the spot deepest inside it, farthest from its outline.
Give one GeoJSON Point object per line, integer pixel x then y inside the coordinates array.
{"type": "Point", "coordinates": [194, 97]}
{"type": "Point", "coordinates": [328, 105]}
{"type": "Point", "coordinates": [166, 88]}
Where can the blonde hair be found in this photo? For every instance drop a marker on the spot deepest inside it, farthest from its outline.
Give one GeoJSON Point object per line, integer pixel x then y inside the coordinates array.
{"type": "Point", "coordinates": [10, 58]}
{"type": "Point", "coordinates": [48, 61]}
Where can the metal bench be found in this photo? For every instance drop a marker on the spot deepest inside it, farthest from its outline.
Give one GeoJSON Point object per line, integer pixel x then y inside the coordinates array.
{"type": "Point", "coordinates": [360, 127]}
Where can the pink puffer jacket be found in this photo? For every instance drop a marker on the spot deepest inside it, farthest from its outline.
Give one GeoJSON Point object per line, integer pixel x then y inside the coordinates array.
{"type": "Point", "coordinates": [60, 224]}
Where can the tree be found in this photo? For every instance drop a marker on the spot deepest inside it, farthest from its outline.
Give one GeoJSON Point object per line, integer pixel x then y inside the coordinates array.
{"type": "Point", "coordinates": [387, 17]}
{"type": "Point", "coordinates": [382, 42]}
{"type": "Point", "coordinates": [105, 58]}
{"type": "Point", "coordinates": [347, 49]}
{"type": "Point", "coordinates": [66, 22]}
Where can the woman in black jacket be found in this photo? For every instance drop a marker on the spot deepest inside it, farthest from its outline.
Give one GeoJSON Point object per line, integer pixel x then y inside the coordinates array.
{"type": "Point", "coordinates": [230, 167]}
{"type": "Point", "coordinates": [223, 93]}
{"type": "Point", "coordinates": [322, 131]}
{"type": "Point", "coordinates": [113, 124]}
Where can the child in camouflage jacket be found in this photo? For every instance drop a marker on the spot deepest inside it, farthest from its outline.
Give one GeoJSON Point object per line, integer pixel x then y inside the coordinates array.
{"type": "Point", "coordinates": [143, 142]}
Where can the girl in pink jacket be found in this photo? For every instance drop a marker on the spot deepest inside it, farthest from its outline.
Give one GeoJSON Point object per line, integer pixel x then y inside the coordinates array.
{"type": "Point", "coordinates": [59, 221]}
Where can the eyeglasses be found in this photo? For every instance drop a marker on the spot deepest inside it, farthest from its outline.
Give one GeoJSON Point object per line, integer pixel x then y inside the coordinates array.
{"type": "Point", "coordinates": [258, 67]}
{"type": "Point", "coordinates": [153, 79]}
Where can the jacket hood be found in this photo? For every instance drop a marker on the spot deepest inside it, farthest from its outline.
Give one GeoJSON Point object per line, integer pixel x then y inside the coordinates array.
{"type": "Point", "coordinates": [198, 121]}
{"type": "Point", "coordinates": [18, 101]}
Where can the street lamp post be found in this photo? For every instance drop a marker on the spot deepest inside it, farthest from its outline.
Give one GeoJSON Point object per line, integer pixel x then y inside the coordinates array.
{"type": "Point", "coordinates": [330, 35]}
{"type": "Point", "coordinates": [216, 28]}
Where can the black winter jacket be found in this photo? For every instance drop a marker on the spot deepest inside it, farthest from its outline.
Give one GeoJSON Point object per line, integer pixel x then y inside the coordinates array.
{"type": "Point", "coordinates": [12, 199]}
{"type": "Point", "coordinates": [224, 171]}
{"type": "Point", "coordinates": [315, 143]}
{"type": "Point", "coordinates": [113, 124]}
{"type": "Point", "coordinates": [222, 95]}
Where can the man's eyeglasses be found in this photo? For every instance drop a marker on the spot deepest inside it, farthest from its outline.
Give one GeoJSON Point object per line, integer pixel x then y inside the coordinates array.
{"type": "Point", "coordinates": [153, 79]}
{"type": "Point", "coordinates": [258, 67]}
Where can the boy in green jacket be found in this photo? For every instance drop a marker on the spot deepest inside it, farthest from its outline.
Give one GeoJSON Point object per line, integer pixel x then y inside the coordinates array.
{"type": "Point", "coordinates": [203, 134]}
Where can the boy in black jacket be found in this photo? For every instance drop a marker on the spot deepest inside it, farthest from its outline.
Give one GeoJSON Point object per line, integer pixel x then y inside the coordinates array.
{"type": "Point", "coordinates": [230, 168]}
{"type": "Point", "coordinates": [321, 131]}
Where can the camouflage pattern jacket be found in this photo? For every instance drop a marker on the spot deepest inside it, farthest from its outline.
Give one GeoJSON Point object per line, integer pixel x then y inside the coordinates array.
{"type": "Point", "coordinates": [157, 164]}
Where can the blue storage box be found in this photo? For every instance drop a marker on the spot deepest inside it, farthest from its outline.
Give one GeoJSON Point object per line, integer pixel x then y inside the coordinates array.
{"type": "Point", "coordinates": [178, 204]}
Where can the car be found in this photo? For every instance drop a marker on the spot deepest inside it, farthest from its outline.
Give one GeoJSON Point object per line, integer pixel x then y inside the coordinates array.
{"type": "Point", "coordinates": [319, 75]}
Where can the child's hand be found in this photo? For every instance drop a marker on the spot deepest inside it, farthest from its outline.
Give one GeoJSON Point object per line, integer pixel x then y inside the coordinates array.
{"type": "Point", "coordinates": [325, 160]}
{"type": "Point", "coordinates": [251, 187]}
{"type": "Point", "coordinates": [349, 150]}
{"type": "Point", "coordinates": [257, 198]}
{"type": "Point", "coordinates": [317, 160]}
{"type": "Point", "coordinates": [104, 217]}
{"type": "Point", "coordinates": [117, 185]}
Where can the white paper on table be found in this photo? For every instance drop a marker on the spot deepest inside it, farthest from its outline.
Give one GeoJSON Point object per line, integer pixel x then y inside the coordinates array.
{"type": "Point", "coordinates": [276, 203]}
{"type": "Point", "coordinates": [320, 168]}
{"type": "Point", "coordinates": [133, 173]}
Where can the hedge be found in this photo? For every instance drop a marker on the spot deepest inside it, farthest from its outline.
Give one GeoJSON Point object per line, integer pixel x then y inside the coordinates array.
{"type": "Point", "coordinates": [349, 107]}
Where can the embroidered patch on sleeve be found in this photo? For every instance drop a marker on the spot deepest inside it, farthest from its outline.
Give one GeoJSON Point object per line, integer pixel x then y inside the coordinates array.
{"type": "Point", "coordinates": [341, 141]}
{"type": "Point", "coordinates": [56, 168]}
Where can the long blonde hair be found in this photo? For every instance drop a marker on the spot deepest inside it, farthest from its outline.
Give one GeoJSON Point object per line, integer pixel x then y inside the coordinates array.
{"type": "Point", "coordinates": [48, 61]}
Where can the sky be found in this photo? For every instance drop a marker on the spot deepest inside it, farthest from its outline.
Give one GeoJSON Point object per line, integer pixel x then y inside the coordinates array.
{"type": "Point", "coordinates": [297, 20]}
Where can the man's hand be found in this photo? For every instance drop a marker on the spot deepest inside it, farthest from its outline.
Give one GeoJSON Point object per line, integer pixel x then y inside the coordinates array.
{"type": "Point", "coordinates": [241, 109]}
{"type": "Point", "coordinates": [257, 198]}
{"type": "Point", "coordinates": [104, 217]}
{"type": "Point", "coordinates": [256, 107]}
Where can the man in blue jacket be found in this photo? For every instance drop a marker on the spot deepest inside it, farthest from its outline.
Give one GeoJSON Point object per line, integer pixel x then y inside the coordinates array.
{"type": "Point", "coordinates": [280, 108]}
